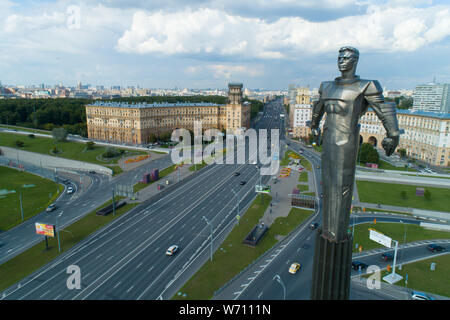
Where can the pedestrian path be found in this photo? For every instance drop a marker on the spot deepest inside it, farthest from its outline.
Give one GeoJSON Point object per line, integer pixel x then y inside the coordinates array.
{"type": "Point", "coordinates": [281, 189]}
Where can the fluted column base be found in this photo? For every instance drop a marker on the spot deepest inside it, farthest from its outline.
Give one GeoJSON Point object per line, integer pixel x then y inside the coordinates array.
{"type": "Point", "coordinates": [332, 268]}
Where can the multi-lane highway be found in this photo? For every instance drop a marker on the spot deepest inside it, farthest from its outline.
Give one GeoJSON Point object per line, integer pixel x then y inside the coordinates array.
{"type": "Point", "coordinates": [126, 259]}
{"type": "Point", "coordinates": [72, 206]}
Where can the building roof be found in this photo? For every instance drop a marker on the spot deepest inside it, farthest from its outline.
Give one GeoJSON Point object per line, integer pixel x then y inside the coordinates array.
{"type": "Point", "coordinates": [439, 115]}
{"type": "Point", "coordinates": [144, 105]}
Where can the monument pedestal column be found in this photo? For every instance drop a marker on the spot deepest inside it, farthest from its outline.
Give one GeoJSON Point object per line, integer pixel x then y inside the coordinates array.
{"type": "Point", "coordinates": [332, 268]}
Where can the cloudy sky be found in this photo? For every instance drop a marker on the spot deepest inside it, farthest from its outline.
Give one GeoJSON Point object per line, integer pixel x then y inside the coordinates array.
{"type": "Point", "coordinates": [206, 44]}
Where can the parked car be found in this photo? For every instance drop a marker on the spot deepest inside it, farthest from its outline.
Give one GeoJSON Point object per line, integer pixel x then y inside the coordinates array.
{"type": "Point", "coordinates": [51, 207]}
{"type": "Point", "coordinates": [242, 183]}
{"type": "Point", "coordinates": [294, 268]}
{"type": "Point", "coordinates": [313, 225]}
{"type": "Point", "coordinates": [236, 174]}
{"type": "Point", "coordinates": [387, 256]}
{"type": "Point", "coordinates": [356, 264]}
{"type": "Point", "coordinates": [435, 248]}
{"type": "Point", "coordinates": [172, 250]}
{"type": "Point", "coordinates": [416, 295]}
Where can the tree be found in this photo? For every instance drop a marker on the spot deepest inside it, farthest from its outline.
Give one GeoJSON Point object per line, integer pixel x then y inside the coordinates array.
{"type": "Point", "coordinates": [59, 134]}
{"type": "Point", "coordinates": [19, 143]}
{"type": "Point", "coordinates": [427, 194]}
{"type": "Point", "coordinates": [403, 195]}
{"type": "Point", "coordinates": [90, 145]}
{"type": "Point", "coordinates": [368, 154]}
{"type": "Point", "coordinates": [402, 152]}
{"type": "Point", "coordinates": [152, 138]}
{"type": "Point", "coordinates": [112, 152]}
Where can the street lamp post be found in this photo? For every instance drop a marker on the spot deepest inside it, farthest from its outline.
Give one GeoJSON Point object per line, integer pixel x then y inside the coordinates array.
{"type": "Point", "coordinates": [21, 206]}
{"type": "Point", "coordinates": [404, 241]}
{"type": "Point", "coordinates": [57, 230]}
{"type": "Point", "coordinates": [210, 225]}
{"type": "Point", "coordinates": [238, 214]}
{"type": "Point", "coordinates": [278, 278]}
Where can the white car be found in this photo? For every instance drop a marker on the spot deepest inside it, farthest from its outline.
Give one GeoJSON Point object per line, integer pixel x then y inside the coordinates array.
{"type": "Point", "coordinates": [70, 190]}
{"type": "Point", "coordinates": [172, 250]}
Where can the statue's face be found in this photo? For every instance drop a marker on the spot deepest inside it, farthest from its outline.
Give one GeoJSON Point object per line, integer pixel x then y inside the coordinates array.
{"type": "Point", "coordinates": [346, 61]}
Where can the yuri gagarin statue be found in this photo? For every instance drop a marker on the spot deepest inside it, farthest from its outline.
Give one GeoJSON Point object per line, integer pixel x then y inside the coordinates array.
{"type": "Point", "coordinates": [344, 101]}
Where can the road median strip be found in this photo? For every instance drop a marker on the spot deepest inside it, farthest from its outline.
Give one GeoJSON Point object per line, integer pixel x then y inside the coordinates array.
{"type": "Point", "coordinates": [35, 257]}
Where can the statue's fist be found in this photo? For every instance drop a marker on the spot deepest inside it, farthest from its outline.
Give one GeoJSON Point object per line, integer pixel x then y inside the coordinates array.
{"type": "Point", "coordinates": [316, 135]}
{"type": "Point", "coordinates": [389, 144]}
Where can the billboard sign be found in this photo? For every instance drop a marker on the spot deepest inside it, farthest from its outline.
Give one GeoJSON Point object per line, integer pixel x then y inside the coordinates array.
{"type": "Point", "coordinates": [380, 238]}
{"type": "Point", "coordinates": [45, 229]}
{"type": "Point", "coordinates": [262, 189]}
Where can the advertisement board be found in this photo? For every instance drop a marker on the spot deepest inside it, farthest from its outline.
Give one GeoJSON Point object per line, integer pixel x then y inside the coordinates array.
{"type": "Point", "coordinates": [262, 189]}
{"type": "Point", "coordinates": [45, 229]}
{"type": "Point", "coordinates": [380, 238]}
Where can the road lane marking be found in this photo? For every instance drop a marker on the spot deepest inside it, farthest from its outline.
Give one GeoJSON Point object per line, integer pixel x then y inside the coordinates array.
{"type": "Point", "coordinates": [45, 293]}
{"type": "Point", "coordinates": [179, 216]}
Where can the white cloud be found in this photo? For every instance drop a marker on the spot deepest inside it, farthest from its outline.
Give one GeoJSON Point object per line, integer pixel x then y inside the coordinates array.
{"type": "Point", "coordinates": [381, 28]}
{"type": "Point", "coordinates": [226, 71]}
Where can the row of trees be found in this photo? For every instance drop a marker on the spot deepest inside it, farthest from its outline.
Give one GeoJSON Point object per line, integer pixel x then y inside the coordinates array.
{"type": "Point", "coordinates": [401, 102]}
{"type": "Point", "coordinates": [45, 114]}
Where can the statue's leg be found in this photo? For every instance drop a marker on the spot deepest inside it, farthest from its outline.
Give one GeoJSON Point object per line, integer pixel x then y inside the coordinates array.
{"type": "Point", "coordinates": [338, 174]}
{"type": "Point", "coordinates": [333, 248]}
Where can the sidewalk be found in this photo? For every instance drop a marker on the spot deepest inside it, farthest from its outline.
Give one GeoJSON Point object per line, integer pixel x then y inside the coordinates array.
{"type": "Point", "coordinates": [281, 188]}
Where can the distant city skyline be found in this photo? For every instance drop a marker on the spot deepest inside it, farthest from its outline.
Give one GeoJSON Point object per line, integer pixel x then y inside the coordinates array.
{"type": "Point", "coordinates": [198, 44]}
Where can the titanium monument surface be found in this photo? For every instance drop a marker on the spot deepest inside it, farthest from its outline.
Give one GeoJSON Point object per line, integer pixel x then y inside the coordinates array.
{"type": "Point", "coordinates": [344, 100]}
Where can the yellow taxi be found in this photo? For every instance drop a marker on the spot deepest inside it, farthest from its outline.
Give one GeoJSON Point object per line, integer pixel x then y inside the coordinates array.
{"type": "Point", "coordinates": [294, 267]}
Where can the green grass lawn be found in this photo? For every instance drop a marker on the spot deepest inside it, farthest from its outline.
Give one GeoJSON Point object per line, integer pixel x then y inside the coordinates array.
{"type": "Point", "coordinates": [197, 166]}
{"type": "Point", "coordinates": [34, 199]}
{"type": "Point", "coordinates": [286, 159]}
{"type": "Point", "coordinates": [387, 166]}
{"type": "Point", "coordinates": [34, 258]}
{"type": "Point", "coordinates": [303, 187]}
{"type": "Point", "coordinates": [233, 256]}
{"type": "Point", "coordinates": [390, 194]}
{"type": "Point", "coordinates": [421, 278]}
{"type": "Point", "coordinates": [395, 231]}
{"type": "Point", "coordinates": [69, 150]}
{"type": "Point", "coordinates": [303, 177]}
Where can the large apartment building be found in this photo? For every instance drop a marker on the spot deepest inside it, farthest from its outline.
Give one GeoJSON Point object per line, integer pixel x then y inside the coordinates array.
{"type": "Point", "coordinates": [426, 134]}
{"type": "Point", "coordinates": [434, 97]}
{"type": "Point", "coordinates": [134, 123]}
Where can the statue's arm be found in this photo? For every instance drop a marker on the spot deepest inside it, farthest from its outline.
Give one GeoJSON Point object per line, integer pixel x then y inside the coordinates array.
{"type": "Point", "coordinates": [386, 112]}
{"type": "Point", "coordinates": [317, 111]}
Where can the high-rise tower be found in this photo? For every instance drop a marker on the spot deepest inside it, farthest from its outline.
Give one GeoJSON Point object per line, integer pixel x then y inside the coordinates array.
{"type": "Point", "coordinates": [235, 93]}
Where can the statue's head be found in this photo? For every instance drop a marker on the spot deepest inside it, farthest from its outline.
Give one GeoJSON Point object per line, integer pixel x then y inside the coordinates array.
{"type": "Point", "coordinates": [348, 58]}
